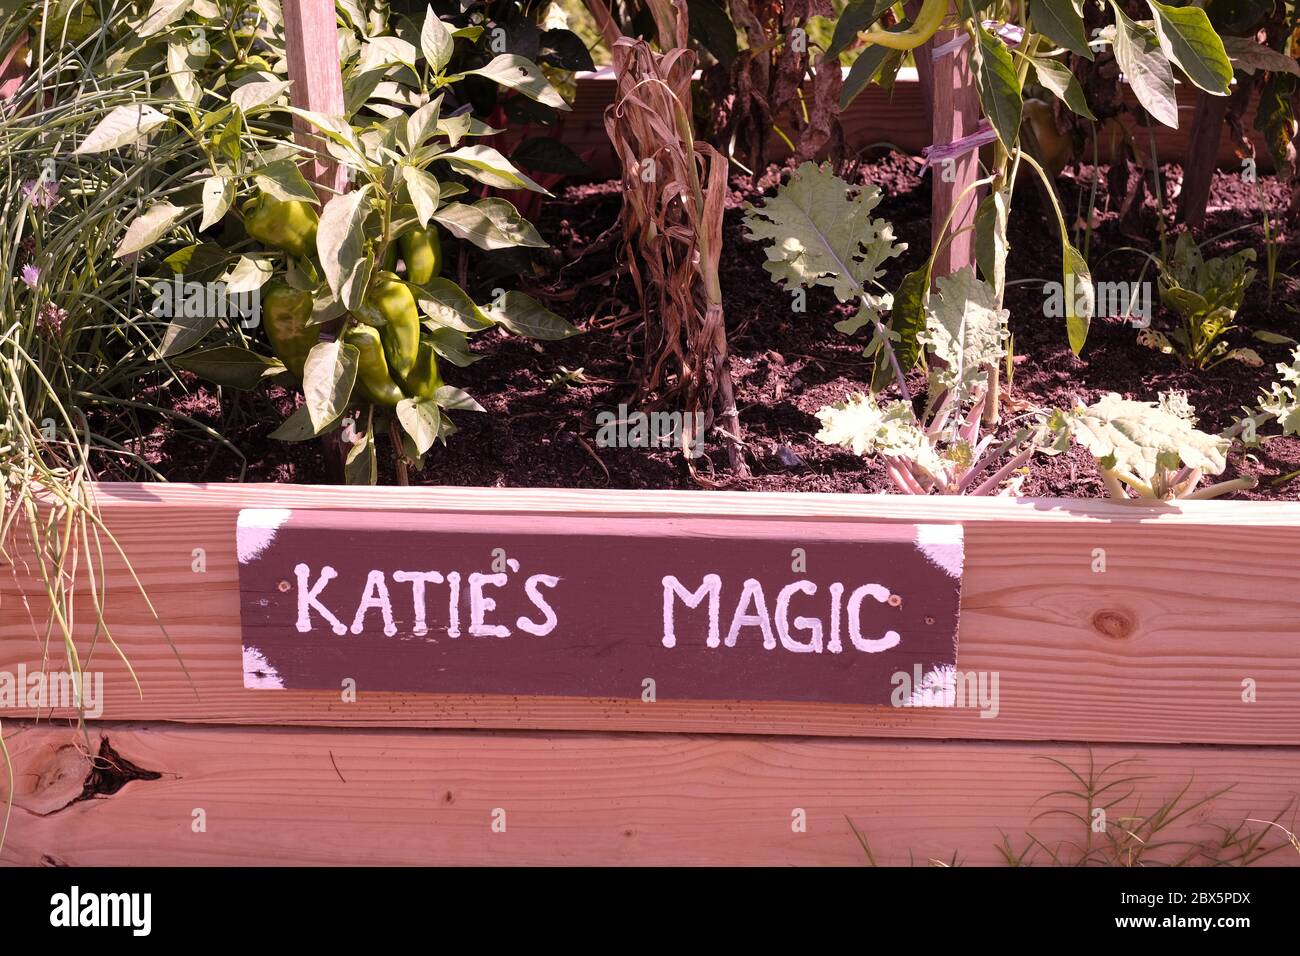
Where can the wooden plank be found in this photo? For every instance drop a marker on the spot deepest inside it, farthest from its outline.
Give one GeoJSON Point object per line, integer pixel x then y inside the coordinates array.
{"type": "Point", "coordinates": [282, 797]}
{"type": "Point", "coordinates": [13, 69]}
{"type": "Point", "coordinates": [1198, 172]}
{"type": "Point", "coordinates": [956, 113]}
{"type": "Point", "coordinates": [1196, 599]}
{"type": "Point", "coordinates": [311, 45]}
{"type": "Point", "coordinates": [571, 606]}
{"type": "Point", "coordinates": [311, 52]}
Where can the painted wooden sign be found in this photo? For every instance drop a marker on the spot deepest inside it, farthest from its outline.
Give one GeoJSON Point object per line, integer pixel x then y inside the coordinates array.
{"type": "Point", "coordinates": [688, 608]}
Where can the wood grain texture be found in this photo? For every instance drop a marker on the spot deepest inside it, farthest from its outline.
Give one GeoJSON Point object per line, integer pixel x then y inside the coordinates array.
{"type": "Point", "coordinates": [1196, 598]}
{"type": "Point", "coordinates": [279, 797]}
{"type": "Point", "coordinates": [956, 113]}
{"type": "Point", "coordinates": [13, 68]}
{"type": "Point", "coordinates": [311, 46]}
{"type": "Point", "coordinates": [1198, 169]}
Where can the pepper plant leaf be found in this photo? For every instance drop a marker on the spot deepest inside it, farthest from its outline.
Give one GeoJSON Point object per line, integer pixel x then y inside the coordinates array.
{"type": "Point", "coordinates": [1187, 39]}
{"type": "Point", "coordinates": [230, 366]}
{"type": "Point", "coordinates": [524, 315]}
{"type": "Point", "coordinates": [521, 74]}
{"type": "Point", "coordinates": [420, 418]}
{"type": "Point", "coordinates": [1061, 21]}
{"type": "Point", "coordinates": [1149, 75]}
{"type": "Point", "coordinates": [998, 84]}
{"type": "Point", "coordinates": [148, 228]}
{"type": "Point", "coordinates": [327, 381]}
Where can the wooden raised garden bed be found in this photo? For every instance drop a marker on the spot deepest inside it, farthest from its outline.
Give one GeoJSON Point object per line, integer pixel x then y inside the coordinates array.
{"type": "Point", "coordinates": [611, 711]}
{"type": "Point", "coordinates": [1147, 659]}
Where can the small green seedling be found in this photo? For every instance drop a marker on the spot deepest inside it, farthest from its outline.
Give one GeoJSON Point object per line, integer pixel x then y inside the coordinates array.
{"type": "Point", "coordinates": [1206, 294]}
{"type": "Point", "coordinates": [566, 378]}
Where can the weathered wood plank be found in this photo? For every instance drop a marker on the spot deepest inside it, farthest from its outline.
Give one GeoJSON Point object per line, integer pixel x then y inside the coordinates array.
{"type": "Point", "coordinates": [1195, 600]}
{"type": "Point", "coordinates": [311, 43]}
{"type": "Point", "coordinates": [409, 797]}
{"type": "Point", "coordinates": [956, 113]}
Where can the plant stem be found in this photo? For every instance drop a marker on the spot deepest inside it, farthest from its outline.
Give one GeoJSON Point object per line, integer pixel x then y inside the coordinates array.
{"type": "Point", "coordinates": [399, 457]}
{"type": "Point", "coordinates": [1222, 488]}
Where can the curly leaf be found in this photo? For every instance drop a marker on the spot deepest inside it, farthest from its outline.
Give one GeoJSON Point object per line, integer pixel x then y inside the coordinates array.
{"type": "Point", "coordinates": [965, 329]}
{"type": "Point", "coordinates": [1140, 437]}
{"type": "Point", "coordinates": [821, 235]}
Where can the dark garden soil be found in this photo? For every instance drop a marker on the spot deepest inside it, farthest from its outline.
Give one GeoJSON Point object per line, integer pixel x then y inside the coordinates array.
{"type": "Point", "coordinates": [786, 365]}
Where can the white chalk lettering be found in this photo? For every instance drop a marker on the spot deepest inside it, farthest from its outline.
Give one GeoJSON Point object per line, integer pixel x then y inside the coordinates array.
{"type": "Point", "coordinates": [453, 604]}
{"type": "Point", "coordinates": [308, 598]}
{"type": "Point", "coordinates": [751, 593]}
{"type": "Point", "coordinates": [712, 588]}
{"type": "Point", "coordinates": [837, 595]}
{"type": "Point", "coordinates": [375, 596]}
{"type": "Point", "coordinates": [417, 580]}
{"type": "Point", "coordinates": [480, 604]}
{"type": "Point", "coordinates": [539, 601]}
{"type": "Point", "coordinates": [876, 645]}
{"type": "Point", "coordinates": [810, 624]}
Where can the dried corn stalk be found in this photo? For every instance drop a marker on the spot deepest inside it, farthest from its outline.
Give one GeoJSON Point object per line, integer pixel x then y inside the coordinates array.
{"type": "Point", "coordinates": [673, 192]}
{"type": "Point", "coordinates": [764, 88]}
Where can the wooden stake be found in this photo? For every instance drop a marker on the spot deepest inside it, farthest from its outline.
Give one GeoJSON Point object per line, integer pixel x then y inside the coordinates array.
{"type": "Point", "coordinates": [1202, 157]}
{"type": "Point", "coordinates": [317, 84]}
{"type": "Point", "coordinates": [311, 48]}
{"type": "Point", "coordinates": [955, 113]}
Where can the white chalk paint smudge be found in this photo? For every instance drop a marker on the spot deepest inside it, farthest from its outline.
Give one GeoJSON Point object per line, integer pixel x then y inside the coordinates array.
{"type": "Point", "coordinates": [942, 546]}
{"type": "Point", "coordinates": [259, 673]}
{"type": "Point", "coordinates": [256, 529]}
{"type": "Point", "coordinates": [938, 688]}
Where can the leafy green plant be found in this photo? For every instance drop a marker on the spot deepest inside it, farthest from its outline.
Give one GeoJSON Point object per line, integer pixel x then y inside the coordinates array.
{"type": "Point", "coordinates": [1281, 402]}
{"type": "Point", "coordinates": [1278, 405]}
{"type": "Point", "coordinates": [410, 146]}
{"type": "Point", "coordinates": [1015, 48]}
{"type": "Point", "coordinates": [1148, 450]}
{"type": "Point", "coordinates": [942, 450]}
{"type": "Point", "coordinates": [823, 234]}
{"type": "Point", "coordinates": [1205, 294]}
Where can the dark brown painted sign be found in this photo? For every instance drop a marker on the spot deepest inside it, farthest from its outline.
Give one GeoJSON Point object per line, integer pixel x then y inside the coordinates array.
{"type": "Point", "coordinates": [706, 608]}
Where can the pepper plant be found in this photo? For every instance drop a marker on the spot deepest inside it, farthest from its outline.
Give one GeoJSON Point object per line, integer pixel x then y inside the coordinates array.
{"type": "Point", "coordinates": [1017, 47]}
{"type": "Point", "coordinates": [354, 307]}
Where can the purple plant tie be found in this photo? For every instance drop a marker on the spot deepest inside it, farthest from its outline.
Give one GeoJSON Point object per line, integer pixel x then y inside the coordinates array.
{"type": "Point", "coordinates": [942, 152]}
